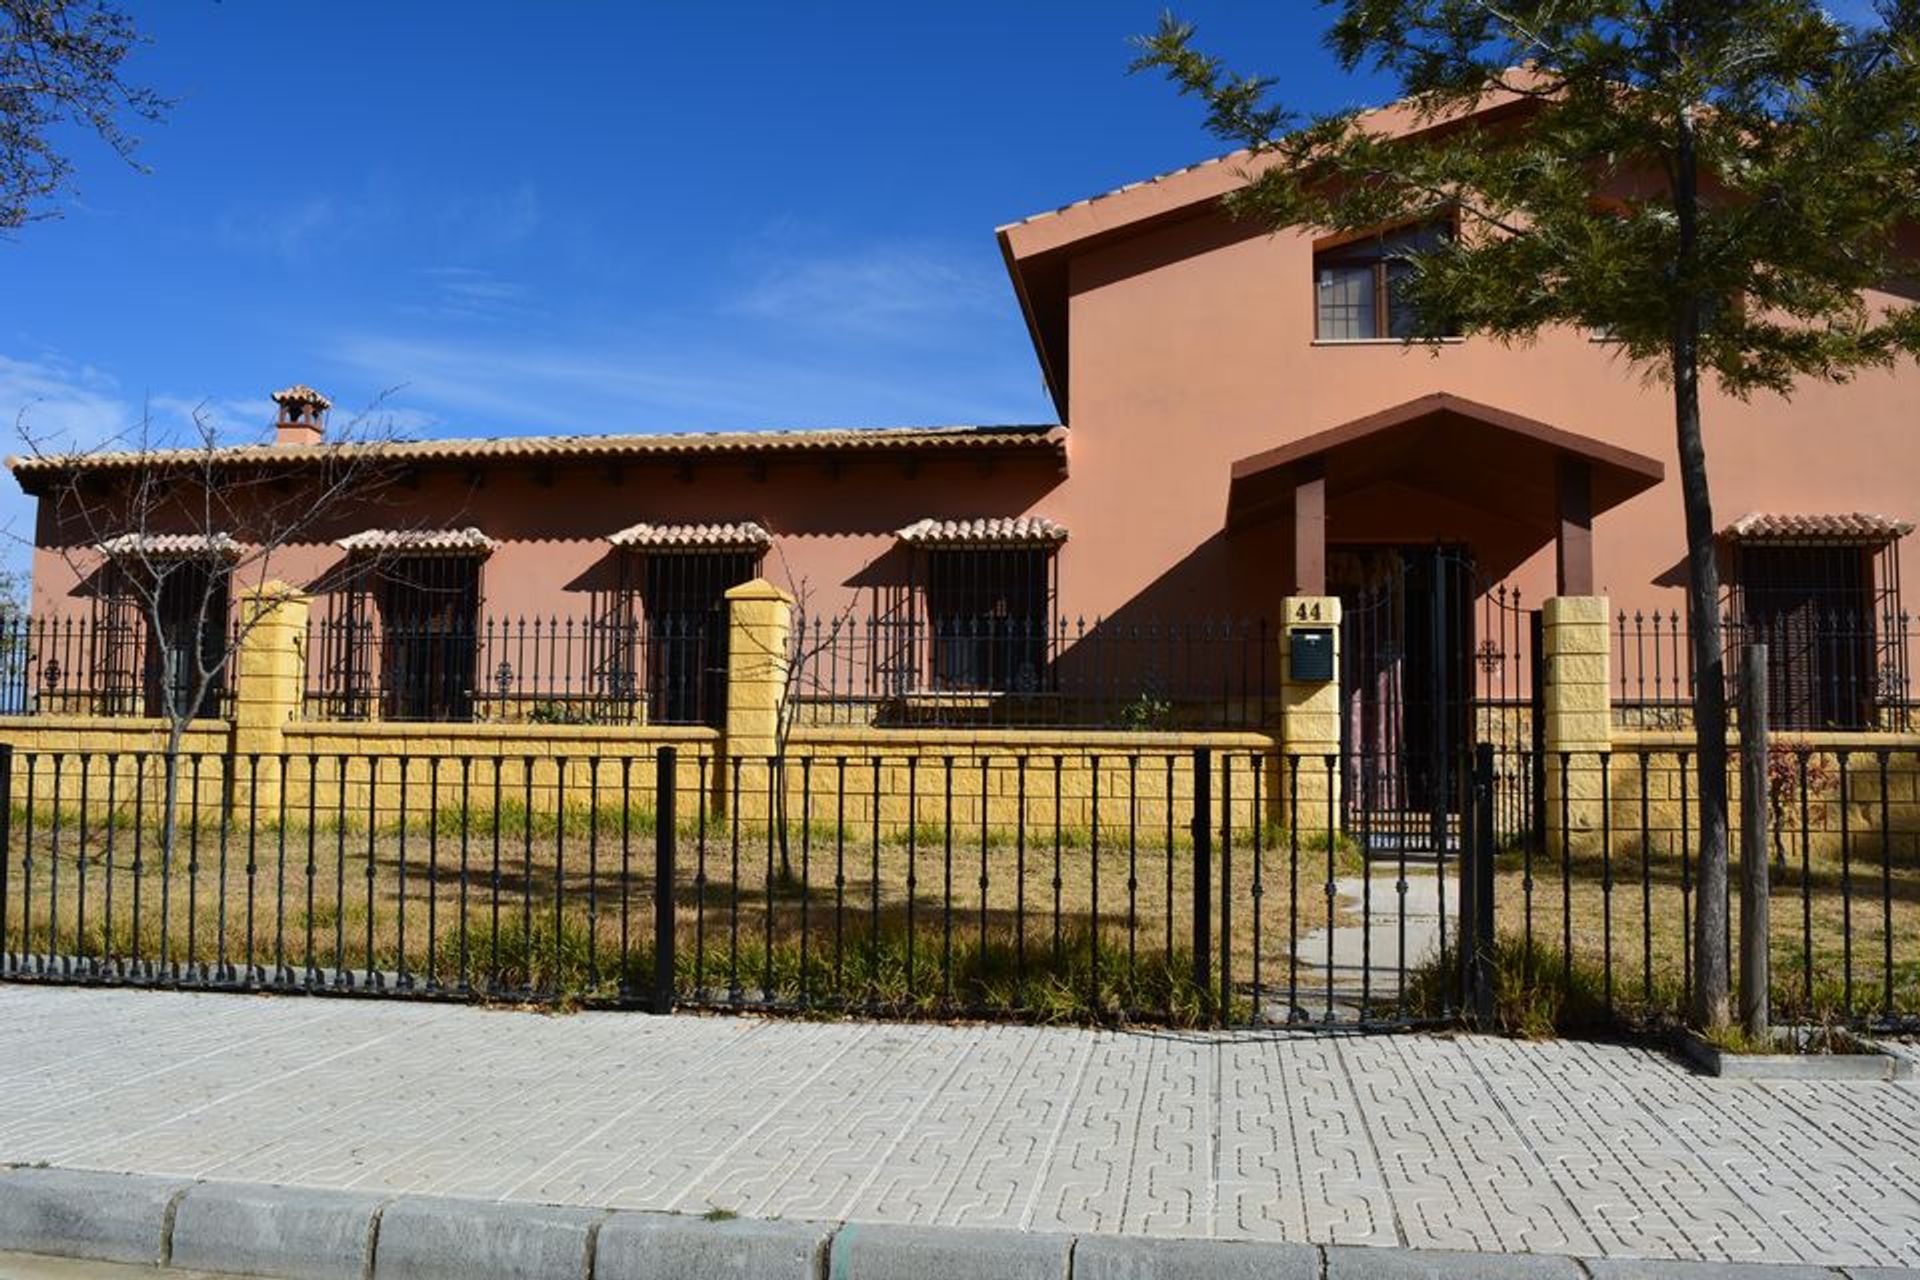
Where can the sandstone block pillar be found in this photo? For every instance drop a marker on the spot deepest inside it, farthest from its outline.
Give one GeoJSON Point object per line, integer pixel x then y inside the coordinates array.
{"type": "Point", "coordinates": [1579, 717]}
{"type": "Point", "coordinates": [759, 631]}
{"type": "Point", "coordinates": [269, 677]}
{"type": "Point", "coordinates": [1308, 786]}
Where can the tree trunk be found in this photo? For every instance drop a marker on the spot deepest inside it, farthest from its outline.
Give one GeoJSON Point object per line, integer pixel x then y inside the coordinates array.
{"type": "Point", "coordinates": [1710, 961]}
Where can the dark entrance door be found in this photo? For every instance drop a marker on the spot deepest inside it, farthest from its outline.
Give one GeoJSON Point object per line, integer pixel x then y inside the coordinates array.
{"type": "Point", "coordinates": [1407, 644]}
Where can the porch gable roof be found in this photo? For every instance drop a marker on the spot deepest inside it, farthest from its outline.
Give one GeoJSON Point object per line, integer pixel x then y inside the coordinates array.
{"type": "Point", "coordinates": [1494, 459]}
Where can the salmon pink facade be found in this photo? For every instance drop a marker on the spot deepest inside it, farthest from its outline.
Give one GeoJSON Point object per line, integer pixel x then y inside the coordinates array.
{"type": "Point", "coordinates": [1237, 424]}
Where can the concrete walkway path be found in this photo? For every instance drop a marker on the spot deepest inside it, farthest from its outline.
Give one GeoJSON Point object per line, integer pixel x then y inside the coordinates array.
{"type": "Point", "coordinates": [1452, 1143]}
{"type": "Point", "coordinates": [1393, 933]}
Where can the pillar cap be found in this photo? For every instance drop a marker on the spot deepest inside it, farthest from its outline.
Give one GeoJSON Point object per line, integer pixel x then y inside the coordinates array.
{"type": "Point", "coordinates": [758, 589]}
{"type": "Point", "coordinates": [273, 589]}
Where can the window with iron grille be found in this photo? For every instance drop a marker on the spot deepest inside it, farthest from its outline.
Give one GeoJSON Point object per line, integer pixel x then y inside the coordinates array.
{"type": "Point", "coordinates": [1358, 286]}
{"type": "Point", "coordinates": [989, 614]}
{"type": "Point", "coordinates": [1828, 613]}
{"type": "Point", "coordinates": [429, 635]}
{"type": "Point", "coordinates": [140, 671]}
{"type": "Point", "coordinates": [676, 599]}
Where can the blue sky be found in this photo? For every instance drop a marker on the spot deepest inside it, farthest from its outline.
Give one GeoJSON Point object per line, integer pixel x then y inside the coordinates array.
{"type": "Point", "coordinates": [516, 217]}
{"type": "Point", "coordinates": [593, 217]}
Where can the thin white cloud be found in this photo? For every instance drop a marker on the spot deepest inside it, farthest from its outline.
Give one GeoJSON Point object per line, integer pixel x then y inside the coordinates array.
{"type": "Point", "coordinates": [553, 386]}
{"type": "Point", "coordinates": [296, 229]}
{"type": "Point", "coordinates": [241, 421]}
{"type": "Point", "coordinates": [493, 218]}
{"type": "Point", "coordinates": [65, 404]}
{"type": "Point", "coordinates": [471, 293]}
{"type": "Point", "coordinates": [890, 290]}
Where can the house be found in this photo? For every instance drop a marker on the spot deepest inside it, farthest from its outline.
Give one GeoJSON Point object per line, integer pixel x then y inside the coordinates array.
{"type": "Point", "coordinates": [1239, 423]}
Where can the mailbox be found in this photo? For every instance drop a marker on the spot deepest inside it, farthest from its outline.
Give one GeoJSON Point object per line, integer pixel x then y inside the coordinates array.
{"type": "Point", "coordinates": [1310, 651]}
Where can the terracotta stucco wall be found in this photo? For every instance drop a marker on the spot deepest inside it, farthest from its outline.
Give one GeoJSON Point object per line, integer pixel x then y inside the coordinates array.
{"type": "Point", "coordinates": [833, 525]}
{"type": "Point", "coordinates": [1192, 346]}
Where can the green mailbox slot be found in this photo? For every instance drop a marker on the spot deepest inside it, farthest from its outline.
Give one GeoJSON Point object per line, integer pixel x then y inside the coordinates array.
{"type": "Point", "coordinates": [1311, 654]}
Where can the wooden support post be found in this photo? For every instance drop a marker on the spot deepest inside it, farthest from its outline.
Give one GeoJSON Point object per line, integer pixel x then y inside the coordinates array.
{"type": "Point", "coordinates": [1310, 528]}
{"type": "Point", "coordinates": [1573, 547]}
{"type": "Point", "coordinates": [1755, 978]}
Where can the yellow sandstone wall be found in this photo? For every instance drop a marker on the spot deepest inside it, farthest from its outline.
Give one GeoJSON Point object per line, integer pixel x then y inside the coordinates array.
{"type": "Point", "coordinates": [1864, 787]}
{"type": "Point", "coordinates": [269, 766]}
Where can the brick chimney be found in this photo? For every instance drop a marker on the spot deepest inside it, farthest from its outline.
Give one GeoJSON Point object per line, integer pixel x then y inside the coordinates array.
{"type": "Point", "coordinates": [303, 416]}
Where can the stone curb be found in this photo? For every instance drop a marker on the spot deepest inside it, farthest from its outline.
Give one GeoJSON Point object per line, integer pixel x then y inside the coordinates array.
{"type": "Point", "coordinates": [290, 1232]}
{"type": "Point", "coordinates": [295, 1233]}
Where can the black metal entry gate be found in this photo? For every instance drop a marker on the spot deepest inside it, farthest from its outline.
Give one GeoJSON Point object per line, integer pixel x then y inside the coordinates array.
{"type": "Point", "coordinates": [1439, 759]}
{"type": "Point", "coordinates": [1407, 692]}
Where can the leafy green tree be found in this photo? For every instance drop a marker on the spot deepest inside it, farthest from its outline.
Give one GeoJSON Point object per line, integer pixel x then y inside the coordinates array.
{"type": "Point", "coordinates": [1717, 184]}
{"type": "Point", "coordinates": [60, 71]}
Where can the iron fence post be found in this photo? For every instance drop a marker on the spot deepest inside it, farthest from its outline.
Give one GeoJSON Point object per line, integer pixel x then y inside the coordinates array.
{"type": "Point", "coordinates": [1202, 871]}
{"type": "Point", "coordinates": [1226, 890]}
{"type": "Point", "coordinates": [6, 844]}
{"type": "Point", "coordinates": [1476, 940]}
{"type": "Point", "coordinates": [1537, 733]}
{"type": "Point", "coordinates": [1756, 981]}
{"type": "Point", "coordinates": [665, 834]}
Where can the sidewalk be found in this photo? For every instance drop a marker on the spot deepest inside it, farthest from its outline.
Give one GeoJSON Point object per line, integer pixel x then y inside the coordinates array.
{"type": "Point", "coordinates": [1424, 1142]}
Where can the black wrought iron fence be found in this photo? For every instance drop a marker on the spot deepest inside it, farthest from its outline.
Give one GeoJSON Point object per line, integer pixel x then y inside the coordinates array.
{"type": "Point", "coordinates": [83, 665]}
{"type": "Point", "coordinates": [1011, 672]}
{"type": "Point", "coordinates": [1191, 887]}
{"type": "Point", "coordinates": [1831, 669]}
{"type": "Point", "coordinates": [1605, 915]}
{"type": "Point", "coordinates": [541, 669]}
{"type": "Point", "coordinates": [1182, 887]}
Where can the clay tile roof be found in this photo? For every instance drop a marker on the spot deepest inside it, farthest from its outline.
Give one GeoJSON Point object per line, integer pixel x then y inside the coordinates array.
{"type": "Point", "coordinates": [467, 541]}
{"type": "Point", "coordinates": [301, 393]}
{"type": "Point", "coordinates": [169, 546]}
{"type": "Point", "coordinates": [1853, 526]}
{"type": "Point", "coordinates": [740, 534]}
{"type": "Point", "coordinates": [997, 530]}
{"type": "Point", "coordinates": [1051, 438]}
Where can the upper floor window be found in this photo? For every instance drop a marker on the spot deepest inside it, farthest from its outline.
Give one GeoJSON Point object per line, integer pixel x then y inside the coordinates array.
{"type": "Point", "coordinates": [1358, 286]}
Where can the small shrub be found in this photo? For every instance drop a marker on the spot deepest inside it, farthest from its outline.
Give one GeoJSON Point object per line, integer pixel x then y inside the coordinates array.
{"type": "Point", "coordinates": [1147, 712]}
{"type": "Point", "coordinates": [1536, 993]}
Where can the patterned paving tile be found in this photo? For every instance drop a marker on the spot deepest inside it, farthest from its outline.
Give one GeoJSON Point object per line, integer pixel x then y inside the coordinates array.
{"type": "Point", "coordinates": [1447, 1142]}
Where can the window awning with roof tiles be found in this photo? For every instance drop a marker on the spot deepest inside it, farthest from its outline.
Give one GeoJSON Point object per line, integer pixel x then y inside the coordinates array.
{"type": "Point", "coordinates": [1853, 526]}
{"type": "Point", "coordinates": [170, 546]}
{"type": "Point", "coordinates": [997, 531]}
{"type": "Point", "coordinates": [418, 542]}
{"type": "Point", "coordinates": [740, 535]}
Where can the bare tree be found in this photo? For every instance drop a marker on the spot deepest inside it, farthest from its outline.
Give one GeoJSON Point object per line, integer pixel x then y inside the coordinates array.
{"type": "Point", "coordinates": [60, 69]}
{"type": "Point", "coordinates": [168, 528]}
{"type": "Point", "coordinates": [807, 641]}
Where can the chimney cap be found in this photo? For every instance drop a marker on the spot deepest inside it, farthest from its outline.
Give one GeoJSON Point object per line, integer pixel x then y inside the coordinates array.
{"type": "Point", "coordinates": [301, 394]}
